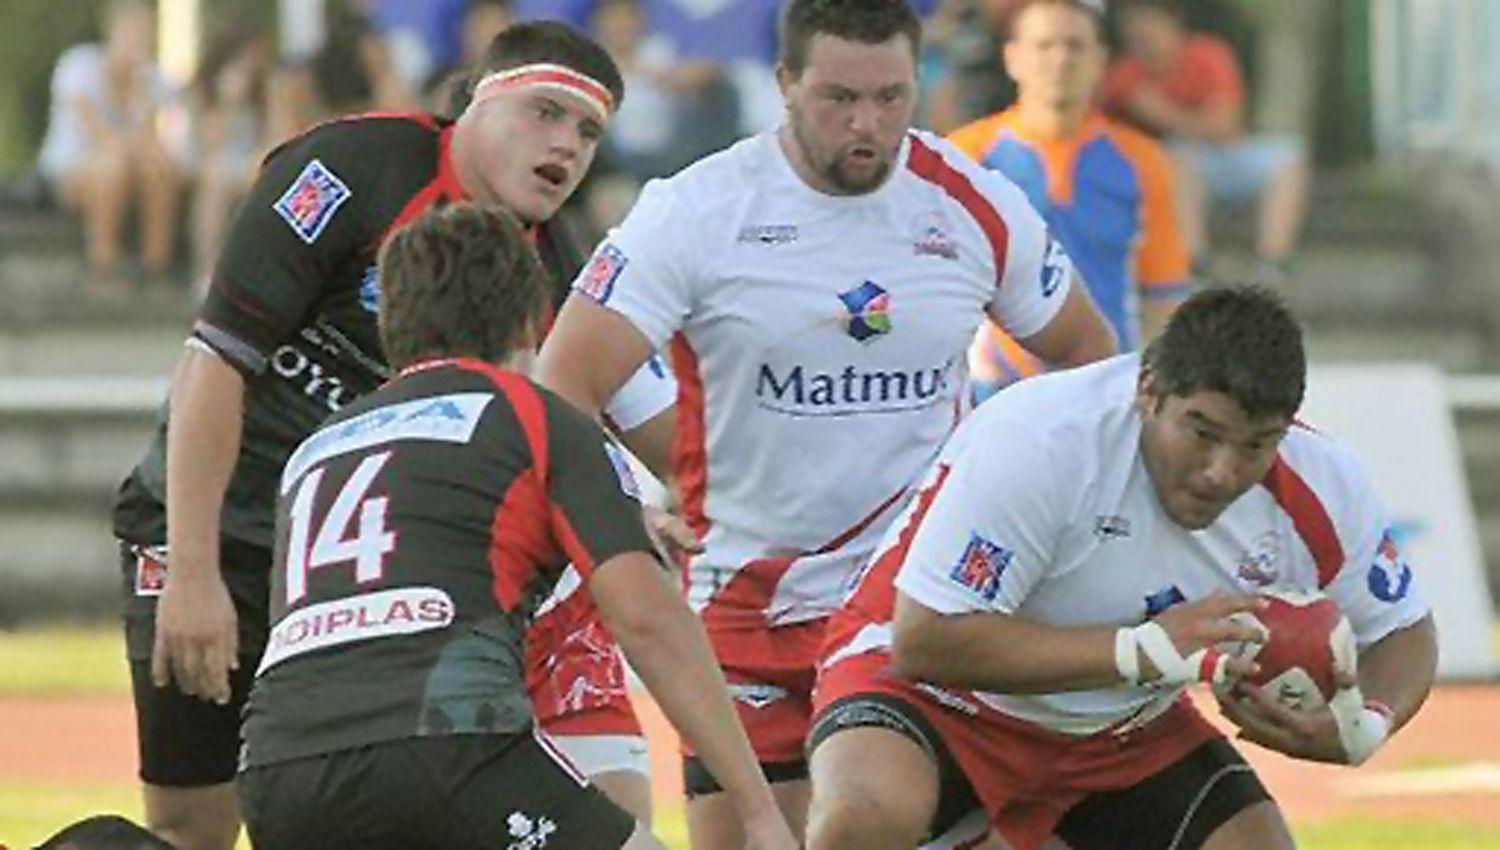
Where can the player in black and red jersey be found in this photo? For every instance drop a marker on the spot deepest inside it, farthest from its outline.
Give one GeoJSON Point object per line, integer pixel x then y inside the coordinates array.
{"type": "Point", "coordinates": [416, 533]}
{"type": "Point", "coordinates": [287, 336]}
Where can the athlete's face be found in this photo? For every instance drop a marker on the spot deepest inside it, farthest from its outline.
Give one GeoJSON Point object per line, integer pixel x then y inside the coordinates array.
{"type": "Point", "coordinates": [1055, 56]}
{"type": "Point", "coordinates": [528, 150]}
{"type": "Point", "coordinates": [1203, 451]}
{"type": "Point", "coordinates": [848, 111]}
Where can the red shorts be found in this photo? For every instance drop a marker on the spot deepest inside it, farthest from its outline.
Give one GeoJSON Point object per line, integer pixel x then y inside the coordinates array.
{"type": "Point", "coordinates": [771, 673]}
{"type": "Point", "coordinates": [574, 673]}
{"type": "Point", "coordinates": [1026, 776]}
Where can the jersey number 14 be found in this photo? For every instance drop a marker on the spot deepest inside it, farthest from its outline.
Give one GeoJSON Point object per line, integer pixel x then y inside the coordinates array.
{"type": "Point", "coordinates": [331, 541]}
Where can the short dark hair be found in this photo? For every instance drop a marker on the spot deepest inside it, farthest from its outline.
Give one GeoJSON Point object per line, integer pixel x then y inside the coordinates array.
{"type": "Point", "coordinates": [542, 41]}
{"type": "Point", "coordinates": [104, 832]}
{"type": "Point", "coordinates": [1239, 340]}
{"type": "Point", "coordinates": [462, 281]}
{"type": "Point", "coordinates": [1090, 8]}
{"type": "Point", "coordinates": [864, 21]}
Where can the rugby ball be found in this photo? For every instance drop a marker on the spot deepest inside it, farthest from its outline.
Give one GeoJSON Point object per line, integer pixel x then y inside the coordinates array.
{"type": "Point", "coordinates": [1307, 638]}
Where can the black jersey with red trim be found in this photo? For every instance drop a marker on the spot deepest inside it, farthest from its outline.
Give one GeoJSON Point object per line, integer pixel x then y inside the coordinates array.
{"type": "Point", "coordinates": [416, 532]}
{"type": "Point", "coordinates": [295, 295]}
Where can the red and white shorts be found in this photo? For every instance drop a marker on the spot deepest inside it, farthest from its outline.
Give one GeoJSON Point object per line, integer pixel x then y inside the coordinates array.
{"type": "Point", "coordinates": [771, 671]}
{"type": "Point", "coordinates": [580, 691]}
{"type": "Point", "coordinates": [1026, 776]}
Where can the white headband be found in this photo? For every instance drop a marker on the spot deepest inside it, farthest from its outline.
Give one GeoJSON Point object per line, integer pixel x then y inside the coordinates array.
{"type": "Point", "coordinates": [547, 76]}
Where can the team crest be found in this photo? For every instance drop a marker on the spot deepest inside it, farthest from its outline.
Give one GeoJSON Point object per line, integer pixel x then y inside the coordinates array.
{"type": "Point", "coordinates": [369, 289]}
{"type": "Point", "coordinates": [868, 311]}
{"type": "Point", "coordinates": [598, 280]}
{"type": "Point", "coordinates": [1258, 565]}
{"type": "Point", "coordinates": [150, 571]}
{"type": "Point", "coordinates": [979, 568]}
{"type": "Point", "coordinates": [932, 239]}
{"type": "Point", "coordinates": [313, 198]}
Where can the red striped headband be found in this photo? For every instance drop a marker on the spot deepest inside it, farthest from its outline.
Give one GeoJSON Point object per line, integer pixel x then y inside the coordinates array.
{"type": "Point", "coordinates": [547, 76]}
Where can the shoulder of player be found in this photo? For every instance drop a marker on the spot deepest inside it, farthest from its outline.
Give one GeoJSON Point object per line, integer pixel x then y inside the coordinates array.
{"type": "Point", "coordinates": [977, 137]}
{"type": "Point", "coordinates": [1326, 466]}
{"type": "Point", "coordinates": [1068, 416]}
{"type": "Point", "coordinates": [982, 195]}
{"type": "Point", "coordinates": [717, 180]}
{"type": "Point", "coordinates": [368, 147]}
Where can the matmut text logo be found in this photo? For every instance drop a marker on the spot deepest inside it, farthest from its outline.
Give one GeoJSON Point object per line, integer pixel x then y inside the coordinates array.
{"type": "Point", "coordinates": [804, 391]}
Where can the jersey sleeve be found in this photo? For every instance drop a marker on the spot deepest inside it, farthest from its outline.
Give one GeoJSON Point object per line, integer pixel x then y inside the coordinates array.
{"type": "Point", "coordinates": [1162, 264]}
{"type": "Point", "coordinates": [1375, 588]}
{"type": "Point", "coordinates": [1037, 274]}
{"type": "Point", "coordinates": [643, 269]}
{"type": "Point", "coordinates": [299, 223]}
{"type": "Point", "coordinates": [649, 392]}
{"type": "Point", "coordinates": [1221, 71]}
{"type": "Point", "coordinates": [595, 508]}
{"type": "Point", "coordinates": [992, 531]}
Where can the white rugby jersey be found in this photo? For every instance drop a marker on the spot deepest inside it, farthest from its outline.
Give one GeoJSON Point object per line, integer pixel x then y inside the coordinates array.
{"type": "Point", "coordinates": [1045, 510]}
{"type": "Point", "coordinates": [819, 342]}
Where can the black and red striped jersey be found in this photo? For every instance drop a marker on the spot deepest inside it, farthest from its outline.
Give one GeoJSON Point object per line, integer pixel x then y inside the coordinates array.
{"type": "Point", "coordinates": [295, 295]}
{"type": "Point", "coordinates": [416, 532]}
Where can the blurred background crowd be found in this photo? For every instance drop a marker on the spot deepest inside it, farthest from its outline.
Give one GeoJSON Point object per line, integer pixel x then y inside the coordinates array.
{"type": "Point", "coordinates": [1345, 151]}
{"type": "Point", "coordinates": [147, 121]}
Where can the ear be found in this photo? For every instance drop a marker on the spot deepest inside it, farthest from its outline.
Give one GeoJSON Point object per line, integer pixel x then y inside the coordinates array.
{"type": "Point", "coordinates": [785, 78]}
{"type": "Point", "coordinates": [1146, 397]}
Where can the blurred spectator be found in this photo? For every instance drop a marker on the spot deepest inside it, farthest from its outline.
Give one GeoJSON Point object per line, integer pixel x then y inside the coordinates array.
{"type": "Point", "coordinates": [103, 151]}
{"type": "Point", "coordinates": [1187, 88]}
{"type": "Point", "coordinates": [647, 137]}
{"type": "Point", "coordinates": [355, 70]}
{"type": "Point", "coordinates": [966, 63]}
{"type": "Point", "coordinates": [228, 99]}
{"type": "Point", "coordinates": [424, 36]}
{"type": "Point", "coordinates": [731, 44]}
{"type": "Point", "coordinates": [447, 87]}
{"type": "Point", "coordinates": [1104, 189]}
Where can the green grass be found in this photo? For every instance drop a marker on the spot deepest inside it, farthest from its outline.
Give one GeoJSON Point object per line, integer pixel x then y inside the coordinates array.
{"type": "Point", "coordinates": [89, 661]}
{"type": "Point", "coordinates": [1370, 834]}
{"type": "Point", "coordinates": [64, 661]}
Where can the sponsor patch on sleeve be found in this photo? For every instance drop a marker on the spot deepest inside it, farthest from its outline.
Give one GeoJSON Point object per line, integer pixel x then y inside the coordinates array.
{"type": "Point", "coordinates": [1390, 575]}
{"type": "Point", "coordinates": [598, 279]}
{"type": "Point", "coordinates": [979, 568]}
{"type": "Point", "coordinates": [1055, 267]}
{"type": "Point", "coordinates": [309, 204]}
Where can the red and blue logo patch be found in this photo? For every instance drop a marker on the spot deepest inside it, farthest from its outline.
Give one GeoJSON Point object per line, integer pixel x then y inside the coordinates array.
{"type": "Point", "coordinates": [309, 204]}
{"type": "Point", "coordinates": [979, 568]}
{"type": "Point", "coordinates": [598, 279]}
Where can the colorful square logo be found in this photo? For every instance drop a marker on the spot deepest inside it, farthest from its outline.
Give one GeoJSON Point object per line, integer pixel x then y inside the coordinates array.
{"type": "Point", "coordinates": [868, 308]}
{"type": "Point", "coordinates": [598, 280]}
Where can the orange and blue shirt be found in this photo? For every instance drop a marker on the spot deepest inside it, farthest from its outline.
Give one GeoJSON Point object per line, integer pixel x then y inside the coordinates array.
{"type": "Point", "coordinates": [1106, 193]}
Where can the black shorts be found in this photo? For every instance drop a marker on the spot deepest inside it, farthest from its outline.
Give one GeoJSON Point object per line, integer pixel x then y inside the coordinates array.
{"type": "Point", "coordinates": [460, 792]}
{"type": "Point", "coordinates": [183, 741]}
{"type": "Point", "coordinates": [1176, 809]}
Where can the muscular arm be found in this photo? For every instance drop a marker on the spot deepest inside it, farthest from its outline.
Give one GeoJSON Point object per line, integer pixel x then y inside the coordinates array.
{"type": "Point", "coordinates": [1398, 670]}
{"type": "Point", "coordinates": [590, 353]}
{"type": "Point", "coordinates": [1078, 334]}
{"type": "Point", "coordinates": [666, 646]}
{"type": "Point", "coordinates": [1008, 653]}
{"type": "Point", "coordinates": [1212, 122]}
{"type": "Point", "coordinates": [196, 634]}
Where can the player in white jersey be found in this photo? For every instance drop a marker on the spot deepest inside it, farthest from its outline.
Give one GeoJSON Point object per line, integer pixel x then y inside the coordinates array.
{"type": "Point", "coordinates": [1000, 634]}
{"type": "Point", "coordinates": [817, 288]}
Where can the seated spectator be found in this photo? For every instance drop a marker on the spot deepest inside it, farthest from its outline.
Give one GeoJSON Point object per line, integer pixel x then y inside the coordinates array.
{"type": "Point", "coordinates": [964, 60]}
{"type": "Point", "coordinates": [645, 137]}
{"type": "Point", "coordinates": [229, 97]}
{"type": "Point", "coordinates": [355, 70]}
{"type": "Point", "coordinates": [1187, 88]}
{"type": "Point", "coordinates": [103, 152]}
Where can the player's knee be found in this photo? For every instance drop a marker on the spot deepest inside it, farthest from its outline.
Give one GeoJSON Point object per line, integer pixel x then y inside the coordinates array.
{"type": "Point", "coordinates": [197, 819]}
{"type": "Point", "coordinates": [856, 818]}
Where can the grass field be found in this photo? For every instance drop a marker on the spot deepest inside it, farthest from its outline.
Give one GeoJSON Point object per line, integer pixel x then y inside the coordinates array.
{"type": "Point", "coordinates": [87, 662]}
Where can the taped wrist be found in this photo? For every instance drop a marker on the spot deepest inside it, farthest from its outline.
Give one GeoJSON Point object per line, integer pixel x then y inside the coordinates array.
{"type": "Point", "coordinates": [1363, 725]}
{"type": "Point", "coordinates": [1205, 665]}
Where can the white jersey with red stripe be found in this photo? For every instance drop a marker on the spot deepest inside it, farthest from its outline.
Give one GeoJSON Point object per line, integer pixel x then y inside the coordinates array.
{"type": "Point", "coordinates": [1041, 506]}
{"type": "Point", "coordinates": [819, 342]}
